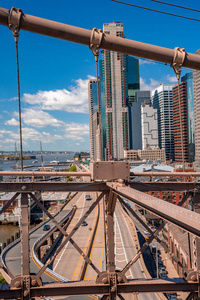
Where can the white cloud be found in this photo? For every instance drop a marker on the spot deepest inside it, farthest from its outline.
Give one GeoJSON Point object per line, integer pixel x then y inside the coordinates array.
{"type": "Point", "coordinates": [171, 79]}
{"type": "Point", "coordinates": [74, 100]}
{"type": "Point", "coordinates": [76, 131]}
{"type": "Point", "coordinates": [146, 62]}
{"type": "Point", "coordinates": [144, 86]}
{"type": "Point", "coordinates": [12, 122]}
{"type": "Point", "coordinates": [39, 118]}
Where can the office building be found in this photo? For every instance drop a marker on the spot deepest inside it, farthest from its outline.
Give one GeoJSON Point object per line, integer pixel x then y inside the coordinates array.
{"type": "Point", "coordinates": [188, 78]}
{"type": "Point", "coordinates": [135, 119]}
{"type": "Point", "coordinates": [94, 120]}
{"type": "Point", "coordinates": [196, 89]}
{"type": "Point", "coordinates": [180, 123]}
{"type": "Point", "coordinates": [152, 155]}
{"type": "Point", "coordinates": [161, 98]}
{"type": "Point", "coordinates": [119, 79]}
{"type": "Point", "coordinates": [186, 115]}
{"type": "Point", "coordinates": [149, 124]}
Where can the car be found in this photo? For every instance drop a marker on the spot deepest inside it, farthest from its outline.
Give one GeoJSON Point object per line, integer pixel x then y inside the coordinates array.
{"type": "Point", "coordinates": [172, 297]}
{"type": "Point", "coordinates": [46, 227]}
{"type": "Point", "coordinates": [87, 197]}
{"type": "Point", "coordinates": [163, 270]}
{"type": "Point", "coordinates": [163, 276]}
{"type": "Point", "coordinates": [147, 233]}
{"type": "Point", "coordinates": [84, 223]}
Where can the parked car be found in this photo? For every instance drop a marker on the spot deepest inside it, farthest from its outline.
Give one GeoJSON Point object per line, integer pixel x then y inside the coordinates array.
{"type": "Point", "coordinates": [163, 276]}
{"type": "Point", "coordinates": [172, 296]}
{"type": "Point", "coordinates": [163, 270]}
{"type": "Point", "coordinates": [84, 223]}
{"type": "Point", "coordinates": [46, 227]}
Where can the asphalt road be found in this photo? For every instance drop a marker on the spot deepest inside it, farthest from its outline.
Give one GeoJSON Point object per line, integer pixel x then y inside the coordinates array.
{"type": "Point", "coordinates": [13, 255]}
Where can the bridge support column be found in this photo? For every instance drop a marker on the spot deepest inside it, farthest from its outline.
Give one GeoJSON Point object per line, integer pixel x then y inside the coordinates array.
{"type": "Point", "coordinates": [25, 250]}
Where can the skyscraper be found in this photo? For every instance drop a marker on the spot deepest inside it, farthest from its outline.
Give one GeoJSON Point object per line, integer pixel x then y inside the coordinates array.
{"type": "Point", "coordinates": [135, 119]}
{"type": "Point", "coordinates": [149, 127]}
{"type": "Point", "coordinates": [196, 88]}
{"type": "Point", "coordinates": [94, 120]}
{"type": "Point", "coordinates": [180, 123]}
{"type": "Point", "coordinates": [187, 117]}
{"type": "Point", "coordinates": [161, 98]}
{"type": "Point", "coordinates": [190, 115]}
{"type": "Point", "coordinates": [119, 78]}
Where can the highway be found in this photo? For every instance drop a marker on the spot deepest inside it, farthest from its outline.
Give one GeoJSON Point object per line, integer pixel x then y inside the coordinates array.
{"type": "Point", "coordinates": [12, 257]}
{"type": "Point", "coordinates": [91, 238]}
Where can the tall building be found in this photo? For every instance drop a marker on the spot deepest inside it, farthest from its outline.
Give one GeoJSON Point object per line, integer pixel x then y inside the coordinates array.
{"type": "Point", "coordinates": [149, 124]}
{"type": "Point", "coordinates": [188, 78]}
{"type": "Point", "coordinates": [161, 98]}
{"type": "Point", "coordinates": [196, 89]}
{"type": "Point", "coordinates": [119, 79]}
{"type": "Point", "coordinates": [186, 115]}
{"type": "Point", "coordinates": [135, 119]}
{"type": "Point", "coordinates": [94, 120]}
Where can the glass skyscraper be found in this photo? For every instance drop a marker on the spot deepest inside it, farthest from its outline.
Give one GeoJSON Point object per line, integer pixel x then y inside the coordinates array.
{"type": "Point", "coordinates": [188, 78]}
{"type": "Point", "coordinates": [119, 79]}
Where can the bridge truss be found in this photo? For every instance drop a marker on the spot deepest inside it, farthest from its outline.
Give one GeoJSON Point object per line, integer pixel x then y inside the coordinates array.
{"type": "Point", "coordinates": [110, 179]}
{"type": "Point", "coordinates": [110, 282]}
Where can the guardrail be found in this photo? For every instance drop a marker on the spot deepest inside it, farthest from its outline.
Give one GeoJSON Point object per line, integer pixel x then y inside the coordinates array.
{"type": "Point", "coordinates": [40, 264]}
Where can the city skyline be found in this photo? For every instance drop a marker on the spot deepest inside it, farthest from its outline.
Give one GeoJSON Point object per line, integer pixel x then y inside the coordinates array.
{"type": "Point", "coordinates": [54, 75]}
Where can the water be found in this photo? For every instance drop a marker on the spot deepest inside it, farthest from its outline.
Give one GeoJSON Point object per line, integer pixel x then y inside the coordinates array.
{"type": "Point", "coordinates": [9, 165]}
{"type": "Point", "coordinates": [6, 231]}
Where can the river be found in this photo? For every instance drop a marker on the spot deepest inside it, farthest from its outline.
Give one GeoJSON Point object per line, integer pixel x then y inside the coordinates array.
{"type": "Point", "coordinates": [6, 231]}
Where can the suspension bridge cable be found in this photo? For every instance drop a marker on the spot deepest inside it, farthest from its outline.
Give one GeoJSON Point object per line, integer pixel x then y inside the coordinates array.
{"type": "Point", "coordinates": [179, 6]}
{"type": "Point", "coordinates": [155, 10]}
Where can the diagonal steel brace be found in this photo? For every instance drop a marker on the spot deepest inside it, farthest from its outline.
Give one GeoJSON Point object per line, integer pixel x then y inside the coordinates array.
{"type": "Point", "coordinates": [154, 235]}
{"type": "Point", "coordinates": [49, 261]}
{"type": "Point", "coordinates": [184, 199]}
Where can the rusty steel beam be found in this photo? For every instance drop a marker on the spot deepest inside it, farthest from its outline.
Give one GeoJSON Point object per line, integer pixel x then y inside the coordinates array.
{"type": "Point", "coordinates": [108, 42]}
{"type": "Point", "coordinates": [41, 174]}
{"type": "Point", "coordinates": [53, 187]}
{"type": "Point", "coordinates": [92, 288]}
{"type": "Point", "coordinates": [184, 218]}
{"type": "Point", "coordinates": [166, 174]}
{"type": "Point", "coordinates": [96, 187]}
{"type": "Point", "coordinates": [165, 186]}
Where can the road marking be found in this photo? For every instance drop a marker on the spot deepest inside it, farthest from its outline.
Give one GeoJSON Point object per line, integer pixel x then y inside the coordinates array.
{"type": "Point", "coordinates": [83, 249]}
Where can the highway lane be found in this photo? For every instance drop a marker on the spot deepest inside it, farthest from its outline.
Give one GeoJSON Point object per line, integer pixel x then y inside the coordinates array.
{"type": "Point", "coordinates": [129, 245]}
{"type": "Point", "coordinates": [13, 256]}
{"type": "Point", "coordinates": [97, 255]}
{"type": "Point", "coordinates": [69, 262]}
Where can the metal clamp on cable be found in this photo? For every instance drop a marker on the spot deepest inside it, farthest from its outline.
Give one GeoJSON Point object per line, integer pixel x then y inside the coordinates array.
{"type": "Point", "coordinates": [178, 60]}
{"type": "Point", "coordinates": [14, 20]}
{"type": "Point", "coordinates": [95, 42]}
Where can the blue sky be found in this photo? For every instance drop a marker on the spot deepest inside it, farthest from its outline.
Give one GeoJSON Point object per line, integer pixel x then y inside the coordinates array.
{"type": "Point", "coordinates": [54, 73]}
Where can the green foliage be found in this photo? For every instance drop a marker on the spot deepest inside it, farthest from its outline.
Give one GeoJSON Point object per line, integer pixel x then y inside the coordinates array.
{"type": "Point", "coordinates": [73, 169]}
{"type": "Point", "coordinates": [70, 179]}
{"type": "Point", "coordinates": [66, 170]}
{"type": "Point", "coordinates": [2, 280]}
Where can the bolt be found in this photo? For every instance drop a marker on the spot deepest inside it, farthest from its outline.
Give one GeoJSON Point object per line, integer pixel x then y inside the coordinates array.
{"type": "Point", "coordinates": [120, 279]}
{"type": "Point", "coordinates": [17, 284]}
{"type": "Point", "coordinates": [105, 280]}
{"type": "Point", "coordinates": [23, 187]}
{"type": "Point", "coordinates": [113, 289]}
{"type": "Point", "coordinates": [34, 282]}
{"type": "Point", "coordinates": [25, 293]}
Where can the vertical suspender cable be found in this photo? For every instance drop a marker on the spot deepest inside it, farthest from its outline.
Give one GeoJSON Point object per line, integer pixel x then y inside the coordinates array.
{"type": "Point", "coordinates": [19, 103]}
{"type": "Point", "coordinates": [14, 26]}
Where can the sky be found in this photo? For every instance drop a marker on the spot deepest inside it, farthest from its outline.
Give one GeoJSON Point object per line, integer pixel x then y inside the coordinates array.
{"type": "Point", "coordinates": [54, 73]}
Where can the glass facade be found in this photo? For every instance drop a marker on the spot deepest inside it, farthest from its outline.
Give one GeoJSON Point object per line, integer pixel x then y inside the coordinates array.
{"type": "Point", "coordinates": [190, 114]}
